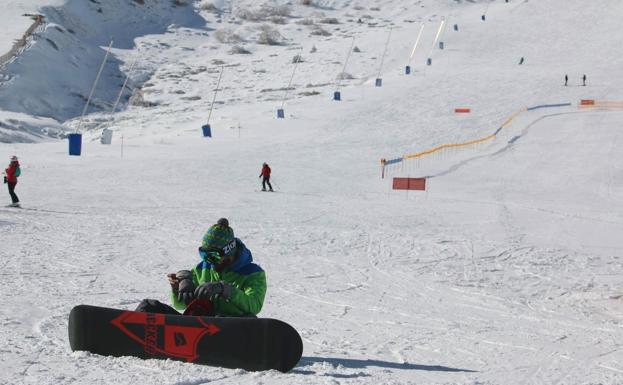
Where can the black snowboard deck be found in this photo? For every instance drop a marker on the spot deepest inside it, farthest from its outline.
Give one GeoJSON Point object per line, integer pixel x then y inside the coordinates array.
{"type": "Point", "coordinates": [252, 344]}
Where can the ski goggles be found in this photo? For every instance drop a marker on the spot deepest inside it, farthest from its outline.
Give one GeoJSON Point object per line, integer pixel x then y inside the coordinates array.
{"type": "Point", "coordinates": [210, 255]}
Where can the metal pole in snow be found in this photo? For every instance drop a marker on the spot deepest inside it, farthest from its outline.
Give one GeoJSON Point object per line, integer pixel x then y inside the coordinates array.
{"type": "Point", "coordinates": [384, 52]}
{"type": "Point", "coordinates": [97, 78]}
{"type": "Point", "coordinates": [486, 9]}
{"type": "Point", "coordinates": [443, 21]}
{"type": "Point", "coordinates": [125, 83]}
{"type": "Point", "coordinates": [296, 63]}
{"type": "Point", "coordinates": [443, 28]}
{"type": "Point", "coordinates": [339, 78]}
{"type": "Point", "coordinates": [215, 91]}
{"type": "Point", "coordinates": [417, 40]}
{"type": "Point", "coordinates": [436, 36]}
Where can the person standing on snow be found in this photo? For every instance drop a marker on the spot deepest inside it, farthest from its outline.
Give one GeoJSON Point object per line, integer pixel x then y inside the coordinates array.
{"type": "Point", "coordinates": [11, 174]}
{"type": "Point", "coordinates": [566, 79]}
{"type": "Point", "coordinates": [265, 175]}
{"type": "Point", "coordinates": [584, 80]}
{"type": "Point", "coordinates": [225, 283]}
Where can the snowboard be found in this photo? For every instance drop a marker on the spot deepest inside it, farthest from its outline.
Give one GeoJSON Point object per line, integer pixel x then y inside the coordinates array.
{"type": "Point", "coordinates": [252, 344]}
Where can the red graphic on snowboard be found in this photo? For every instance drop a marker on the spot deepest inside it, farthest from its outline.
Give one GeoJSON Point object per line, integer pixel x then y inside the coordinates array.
{"type": "Point", "coordinates": [179, 341]}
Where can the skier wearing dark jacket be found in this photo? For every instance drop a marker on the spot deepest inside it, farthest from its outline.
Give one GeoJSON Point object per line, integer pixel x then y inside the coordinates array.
{"type": "Point", "coordinates": [226, 278]}
{"type": "Point", "coordinates": [265, 175]}
{"type": "Point", "coordinates": [11, 174]}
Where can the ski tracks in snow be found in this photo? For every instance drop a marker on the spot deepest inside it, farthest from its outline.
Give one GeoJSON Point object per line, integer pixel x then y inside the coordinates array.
{"type": "Point", "coordinates": [427, 279]}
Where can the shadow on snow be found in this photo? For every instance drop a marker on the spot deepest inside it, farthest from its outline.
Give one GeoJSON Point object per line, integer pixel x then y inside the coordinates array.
{"type": "Point", "coordinates": [360, 364]}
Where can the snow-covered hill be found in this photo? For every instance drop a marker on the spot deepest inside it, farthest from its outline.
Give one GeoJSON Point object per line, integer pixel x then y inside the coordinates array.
{"type": "Point", "coordinates": [506, 270]}
{"type": "Point", "coordinates": [54, 76]}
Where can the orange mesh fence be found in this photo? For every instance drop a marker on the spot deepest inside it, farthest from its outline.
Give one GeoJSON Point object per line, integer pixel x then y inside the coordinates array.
{"type": "Point", "coordinates": [603, 104]}
{"type": "Point", "coordinates": [582, 103]}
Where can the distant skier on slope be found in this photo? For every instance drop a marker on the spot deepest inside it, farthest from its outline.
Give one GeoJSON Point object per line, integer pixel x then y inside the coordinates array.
{"type": "Point", "coordinates": [11, 174]}
{"type": "Point", "coordinates": [225, 283]}
{"type": "Point", "coordinates": [265, 175]}
{"type": "Point", "coordinates": [566, 79]}
{"type": "Point", "coordinates": [584, 80]}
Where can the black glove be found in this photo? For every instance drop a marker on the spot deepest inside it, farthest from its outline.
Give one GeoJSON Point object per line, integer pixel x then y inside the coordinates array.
{"type": "Point", "coordinates": [5, 180]}
{"type": "Point", "coordinates": [210, 290]}
{"type": "Point", "coordinates": [186, 290]}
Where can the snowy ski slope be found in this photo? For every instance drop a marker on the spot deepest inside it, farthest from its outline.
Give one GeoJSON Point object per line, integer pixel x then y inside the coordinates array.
{"type": "Point", "coordinates": [506, 270]}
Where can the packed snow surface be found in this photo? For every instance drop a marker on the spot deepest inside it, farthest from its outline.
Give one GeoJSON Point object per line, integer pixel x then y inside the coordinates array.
{"type": "Point", "coordinates": [506, 270]}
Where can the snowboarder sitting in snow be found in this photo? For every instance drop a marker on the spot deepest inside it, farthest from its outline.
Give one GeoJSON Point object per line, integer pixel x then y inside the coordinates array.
{"type": "Point", "coordinates": [225, 283]}
{"type": "Point", "coordinates": [265, 173]}
{"type": "Point", "coordinates": [11, 174]}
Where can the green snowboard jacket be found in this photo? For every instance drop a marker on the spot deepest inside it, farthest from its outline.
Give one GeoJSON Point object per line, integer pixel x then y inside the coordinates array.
{"type": "Point", "coordinates": [247, 279]}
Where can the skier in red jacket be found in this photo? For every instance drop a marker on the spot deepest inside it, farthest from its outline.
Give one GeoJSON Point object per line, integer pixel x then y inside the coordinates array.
{"type": "Point", "coordinates": [265, 175]}
{"type": "Point", "coordinates": [11, 174]}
